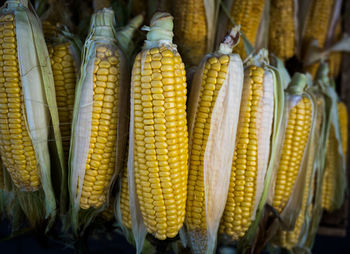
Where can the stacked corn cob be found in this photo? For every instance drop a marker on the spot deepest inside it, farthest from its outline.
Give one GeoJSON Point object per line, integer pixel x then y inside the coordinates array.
{"type": "Point", "coordinates": [160, 139]}
{"type": "Point", "coordinates": [248, 14]}
{"type": "Point", "coordinates": [316, 27]}
{"type": "Point", "coordinates": [190, 29]}
{"type": "Point", "coordinates": [64, 56]}
{"type": "Point", "coordinates": [97, 146]}
{"type": "Point", "coordinates": [253, 142]}
{"type": "Point", "coordinates": [282, 32]}
{"type": "Point", "coordinates": [332, 170]}
{"type": "Point", "coordinates": [208, 113]}
{"type": "Point", "coordinates": [288, 186]}
{"type": "Point", "coordinates": [27, 106]}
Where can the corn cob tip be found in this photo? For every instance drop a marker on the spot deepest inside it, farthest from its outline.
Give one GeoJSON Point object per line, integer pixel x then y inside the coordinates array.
{"type": "Point", "coordinates": [161, 29]}
{"type": "Point", "coordinates": [13, 3]}
{"type": "Point", "coordinates": [230, 40]}
{"type": "Point", "coordinates": [298, 83]}
{"type": "Point", "coordinates": [103, 17]}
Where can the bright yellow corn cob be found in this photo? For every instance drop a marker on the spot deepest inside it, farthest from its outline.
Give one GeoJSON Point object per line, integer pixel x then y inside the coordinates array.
{"type": "Point", "coordinates": [124, 200]}
{"type": "Point", "coordinates": [190, 29]}
{"type": "Point", "coordinates": [214, 74]}
{"type": "Point", "coordinates": [289, 239]}
{"type": "Point", "coordinates": [100, 165]}
{"type": "Point", "coordinates": [65, 76]}
{"type": "Point", "coordinates": [282, 33]}
{"type": "Point", "coordinates": [343, 122]}
{"type": "Point", "coordinates": [335, 57]}
{"type": "Point", "coordinates": [17, 151]}
{"type": "Point", "coordinates": [160, 132]}
{"type": "Point", "coordinates": [295, 140]}
{"type": "Point", "coordinates": [247, 13]}
{"type": "Point", "coordinates": [243, 188]}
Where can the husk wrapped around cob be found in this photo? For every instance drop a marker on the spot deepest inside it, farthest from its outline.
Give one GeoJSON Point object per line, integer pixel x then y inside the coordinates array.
{"type": "Point", "coordinates": [64, 51]}
{"type": "Point", "coordinates": [28, 109]}
{"type": "Point", "coordinates": [326, 99]}
{"type": "Point", "coordinates": [98, 139]}
{"type": "Point", "coordinates": [334, 179]}
{"type": "Point", "coordinates": [287, 188]}
{"type": "Point", "coordinates": [213, 118]}
{"type": "Point", "coordinates": [295, 239]}
{"type": "Point", "coordinates": [260, 119]}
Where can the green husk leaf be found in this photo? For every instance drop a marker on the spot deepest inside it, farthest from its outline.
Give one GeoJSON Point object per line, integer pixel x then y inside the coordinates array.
{"type": "Point", "coordinates": [125, 35]}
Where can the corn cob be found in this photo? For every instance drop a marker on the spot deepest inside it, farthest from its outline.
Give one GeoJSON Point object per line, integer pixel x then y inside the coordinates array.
{"type": "Point", "coordinates": [17, 151]}
{"type": "Point", "coordinates": [343, 122]}
{"type": "Point", "coordinates": [294, 143]}
{"type": "Point", "coordinates": [282, 33]}
{"type": "Point", "coordinates": [211, 81]}
{"type": "Point", "coordinates": [160, 131]}
{"type": "Point", "coordinates": [289, 239]}
{"type": "Point", "coordinates": [318, 21]}
{"type": "Point", "coordinates": [329, 188]}
{"type": "Point", "coordinates": [28, 112]}
{"type": "Point", "coordinates": [190, 29]}
{"type": "Point", "coordinates": [94, 139]}
{"type": "Point", "coordinates": [335, 57]}
{"type": "Point", "coordinates": [124, 200]}
{"type": "Point", "coordinates": [247, 13]}
{"type": "Point", "coordinates": [64, 64]}
{"type": "Point", "coordinates": [245, 181]}
{"type": "Point", "coordinates": [316, 28]}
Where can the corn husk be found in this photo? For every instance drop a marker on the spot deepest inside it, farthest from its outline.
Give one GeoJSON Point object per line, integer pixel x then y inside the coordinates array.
{"type": "Point", "coordinates": [220, 142]}
{"type": "Point", "coordinates": [102, 33]}
{"type": "Point", "coordinates": [41, 109]}
{"type": "Point", "coordinates": [287, 218]}
{"type": "Point", "coordinates": [280, 80]}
